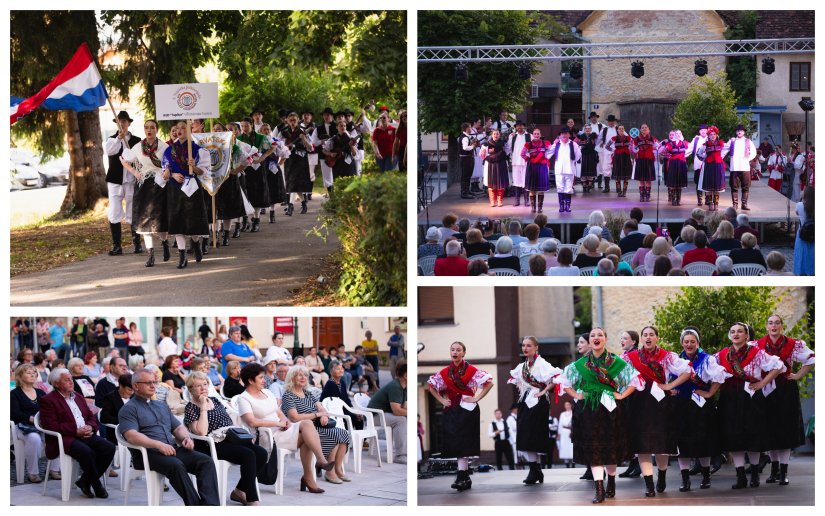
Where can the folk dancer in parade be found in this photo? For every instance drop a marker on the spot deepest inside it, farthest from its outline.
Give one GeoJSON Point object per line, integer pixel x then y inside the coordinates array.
{"type": "Point", "coordinates": [274, 165]}
{"type": "Point", "coordinates": [515, 143]}
{"type": "Point", "coordinates": [676, 151]}
{"type": "Point", "coordinates": [537, 177]}
{"type": "Point", "coordinates": [257, 187]}
{"type": "Point", "coordinates": [321, 134]}
{"type": "Point", "coordinates": [741, 151]}
{"type": "Point", "coordinates": [606, 135]}
{"type": "Point", "coordinates": [341, 152]}
{"type": "Point", "coordinates": [712, 176]}
{"type": "Point", "coordinates": [362, 126]}
{"type": "Point", "coordinates": [229, 203]}
{"type": "Point", "coordinates": [143, 161]}
{"type": "Point", "coordinates": [120, 186]}
{"type": "Point", "coordinates": [644, 170]}
{"type": "Point", "coordinates": [257, 115]}
{"type": "Point", "coordinates": [590, 158]}
{"type": "Point", "coordinates": [777, 161]}
{"type": "Point", "coordinates": [619, 148]}
{"type": "Point", "coordinates": [296, 168]}
{"type": "Point", "coordinates": [459, 387]}
{"type": "Point", "coordinates": [565, 153]}
{"type": "Point", "coordinates": [784, 408]}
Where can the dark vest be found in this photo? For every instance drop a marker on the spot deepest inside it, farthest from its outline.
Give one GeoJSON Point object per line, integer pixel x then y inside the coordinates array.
{"type": "Point", "coordinates": [506, 431]}
{"type": "Point", "coordinates": [351, 127]}
{"type": "Point", "coordinates": [461, 152]}
{"type": "Point", "coordinates": [115, 172]}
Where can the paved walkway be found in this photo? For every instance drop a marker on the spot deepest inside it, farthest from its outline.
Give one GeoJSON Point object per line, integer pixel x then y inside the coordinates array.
{"type": "Point", "coordinates": [563, 487]}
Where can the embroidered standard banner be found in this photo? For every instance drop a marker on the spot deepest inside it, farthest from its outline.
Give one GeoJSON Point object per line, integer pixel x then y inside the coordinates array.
{"type": "Point", "coordinates": [219, 146]}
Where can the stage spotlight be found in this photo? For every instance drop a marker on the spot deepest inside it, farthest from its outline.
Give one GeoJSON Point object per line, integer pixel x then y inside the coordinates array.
{"type": "Point", "coordinates": [525, 72]}
{"type": "Point", "coordinates": [576, 71]}
{"type": "Point", "coordinates": [461, 72]}
{"type": "Point", "coordinates": [637, 69]}
{"type": "Point", "coordinates": [700, 67]}
{"type": "Point", "coordinates": [768, 66]}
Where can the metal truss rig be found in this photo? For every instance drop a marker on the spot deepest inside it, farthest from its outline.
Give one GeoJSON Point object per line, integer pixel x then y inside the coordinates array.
{"type": "Point", "coordinates": [633, 50]}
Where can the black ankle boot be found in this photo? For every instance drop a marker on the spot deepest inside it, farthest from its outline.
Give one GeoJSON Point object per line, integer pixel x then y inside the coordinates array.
{"type": "Point", "coordinates": [182, 260]}
{"type": "Point", "coordinates": [151, 261]}
{"type": "Point", "coordinates": [754, 475]}
{"type": "Point", "coordinates": [198, 251]}
{"type": "Point", "coordinates": [650, 491]}
{"type": "Point", "coordinates": [661, 481]}
{"type": "Point", "coordinates": [685, 481]}
{"type": "Point", "coordinates": [705, 478]}
{"type": "Point", "coordinates": [136, 241]}
{"type": "Point", "coordinates": [631, 468]}
{"type": "Point", "coordinates": [741, 479]}
{"type": "Point", "coordinates": [237, 232]}
{"type": "Point", "coordinates": [225, 240]}
{"type": "Point", "coordinates": [116, 235]}
{"type": "Point", "coordinates": [303, 207]}
{"type": "Point", "coordinates": [166, 254]}
{"type": "Point", "coordinates": [774, 476]}
{"type": "Point", "coordinates": [610, 492]}
{"type": "Point", "coordinates": [599, 498]}
{"type": "Point", "coordinates": [533, 474]}
{"type": "Point", "coordinates": [244, 224]}
{"type": "Point", "coordinates": [272, 216]}
{"type": "Point", "coordinates": [289, 209]}
{"type": "Point", "coordinates": [205, 246]}
{"type": "Point", "coordinates": [517, 201]}
{"type": "Point", "coordinates": [458, 478]}
{"type": "Point", "coordinates": [465, 483]}
{"type": "Point", "coordinates": [783, 475]}
{"type": "Point", "coordinates": [588, 474]}
{"type": "Point", "coordinates": [256, 225]}
{"type": "Point", "coordinates": [191, 249]}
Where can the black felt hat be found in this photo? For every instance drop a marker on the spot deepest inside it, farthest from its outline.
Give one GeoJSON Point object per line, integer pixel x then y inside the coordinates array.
{"type": "Point", "coordinates": [123, 115]}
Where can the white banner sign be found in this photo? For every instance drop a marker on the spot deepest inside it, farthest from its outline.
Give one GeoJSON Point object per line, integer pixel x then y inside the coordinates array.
{"type": "Point", "coordinates": [219, 146]}
{"type": "Point", "coordinates": [186, 101]}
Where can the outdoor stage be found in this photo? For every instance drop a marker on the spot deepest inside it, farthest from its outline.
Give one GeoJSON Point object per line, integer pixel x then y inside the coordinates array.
{"type": "Point", "coordinates": [766, 206]}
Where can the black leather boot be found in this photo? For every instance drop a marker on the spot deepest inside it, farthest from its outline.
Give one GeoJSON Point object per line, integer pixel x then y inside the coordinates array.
{"type": "Point", "coordinates": [116, 235]}
{"type": "Point", "coordinates": [705, 478]}
{"type": "Point", "coordinates": [526, 194]}
{"type": "Point", "coordinates": [774, 476]}
{"type": "Point", "coordinates": [237, 232]}
{"type": "Point", "coordinates": [151, 261]}
{"type": "Point", "coordinates": [610, 492]}
{"type": "Point", "coordinates": [588, 474]}
{"type": "Point", "coordinates": [734, 195]}
{"type": "Point", "coordinates": [561, 203]}
{"type": "Point", "coordinates": [699, 195]}
{"type": "Point", "coordinates": [685, 481]}
{"type": "Point", "coordinates": [517, 201]}
{"type": "Point", "coordinates": [198, 251]}
{"type": "Point", "coordinates": [182, 260]}
{"type": "Point", "coordinates": [205, 246]}
{"type": "Point", "coordinates": [754, 476]}
{"type": "Point", "coordinates": [632, 470]}
{"type": "Point", "coordinates": [532, 202]}
{"type": "Point", "coordinates": [599, 498]}
{"type": "Point", "coordinates": [465, 483]}
{"type": "Point", "coordinates": [567, 200]}
{"type": "Point", "coordinates": [533, 474]}
{"type": "Point", "coordinates": [225, 241]}
{"type": "Point", "coordinates": [272, 216]}
{"type": "Point", "coordinates": [661, 481]}
{"type": "Point", "coordinates": [256, 225]}
{"type": "Point", "coordinates": [459, 476]}
{"type": "Point", "coordinates": [303, 207]}
{"type": "Point", "coordinates": [166, 254]}
{"type": "Point", "coordinates": [540, 202]}
{"type": "Point", "coordinates": [136, 241]}
{"type": "Point", "coordinates": [650, 491]}
{"type": "Point", "coordinates": [244, 224]}
{"type": "Point", "coordinates": [783, 475]}
{"type": "Point", "coordinates": [741, 479]}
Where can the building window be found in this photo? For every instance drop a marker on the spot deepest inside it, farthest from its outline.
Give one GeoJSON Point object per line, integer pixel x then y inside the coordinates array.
{"type": "Point", "coordinates": [801, 76]}
{"type": "Point", "coordinates": [435, 306]}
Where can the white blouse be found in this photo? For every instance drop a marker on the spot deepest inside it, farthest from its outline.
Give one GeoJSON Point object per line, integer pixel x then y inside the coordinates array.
{"type": "Point", "coordinates": [761, 363]}
{"type": "Point", "coordinates": [542, 371]}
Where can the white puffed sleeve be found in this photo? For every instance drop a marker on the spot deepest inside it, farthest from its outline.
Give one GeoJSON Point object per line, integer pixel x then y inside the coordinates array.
{"type": "Point", "coordinates": [675, 365]}
{"type": "Point", "coordinates": [802, 354]}
{"type": "Point", "coordinates": [204, 160]}
{"type": "Point", "coordinates": [515, 375]}
{"type": "Point", "coordinates": [543, 371]}
{"type": "Point", "coordinates": [764, 362]}
{"type": "Point", "coordinates": [112, 146]}
{"type": "Point", "coordinates": [436, 382]}
{"type": "Point", "coordinates": [713, 372]}
{"type": "Point", "coordinates": [281, 150]}
{"type": "Point", "coordinates": [479, 379]}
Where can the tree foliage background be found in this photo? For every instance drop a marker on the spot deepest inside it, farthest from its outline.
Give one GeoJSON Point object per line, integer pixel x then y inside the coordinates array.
{"type": "Point", "coordinates": [743, 70]}
{"type": "Point", "coordinates": [710, 100]}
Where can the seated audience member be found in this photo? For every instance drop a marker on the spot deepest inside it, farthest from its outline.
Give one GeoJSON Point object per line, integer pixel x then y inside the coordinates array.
{"type": "Point", "coordinates": [637, 215]}
{"type": "Point", "coordinates": [605, 267]}
{"type": "Point", "coordinates": [476, 244]}
{"type": "Point", "coordinates": [591, 255]}
{"type": "Point", "coordinates": [616, 252]}
{"type": "Point", "coordinates": [639, 256]}
{"type": "Point", "coordinates": [65, 411]}
{"type": "Point", "coordinates": [150, 423]}
{"type": "Point", "coordinates": [603, 243]}
{"type": "Point", "coordinates": [776, 264]}
{"type": "Point", "coordinates": [697, 219]}
{"type": "Point", "coordinates": [537, 264]}
{"type": "Point", "coordinates": [532, 245]}
{"type": "Point", "coordinates": [677, 272]}
{"type": "Point", "coordinates": [515, 233]}
{"type": "Point", "coordinates": [478, 268]}
{"type": "Point", "coordinates": [232, 386]}
{"type": "Point", "coordinates": [544, 230]}
{"type": "Point", "coordinates": [392, 400]}
{"type": "Point", "coordinates": [137, 362]}
{"type": "Point", "coordinates": [749, 252]}
{"type": "Point", "coordinates": [702, 253]}
{"type": "Point", "coordinates": [463, 227]}
{"type": "Point", "coordinates": [488, 229]}
{"type": "Point", "coordinates": [730, 215]}
{"type": "Point", "coordinates": [277, 386]}
{"type": "Point", "coordinates": [723, 238]}
{"type": "Point", "coordinates": [202, 364]}
{"type": "Point", "coordinates": [454, 263]}
{"type": "Point", "coordinates": [110, 382]}
{"type": "Point", "coordinates": [661, 247]}
{"type": "Point", "coordinates": [316, 368]}
{"type": "Point", "coordinates": [743, 226]}
{"type": "Point", "coordinates": [503, 258]}
{"type": "Point", "coordinates": [280, 353]}
{"type": "Point", "coordinates": [597, 219]}
{"type": "Point", "coordinates": [448, 227]}
{"type": "Point", "coordinates": [91, 367]}
{"type": "Point", "coordinates": [25, 403]}
{"type": "Point", "coordinates": [633, 237]}
{"type": "Point", "coordinates": [83, 385]}
{"type": "Point", "coordinates": [364, 370]}
{"type": "Point", "coordinates": [565, 267]}
{"type": "Point", "coordinates": [111, 404]}
{"type": "Point", "coordinates": [336, 388]}
{"type": "Point", "coordinates": [724, 266]}
{"type": "Point", "coordinates": [550, 251]}
{"type": "Point", "coordinates": [206, 415]}
{"type": "Point", "coordinates": [173, 374]}
{"type": "Point", "coordinates": [662, 266]}
{"type": "Point", "coordinates": [686, 237]}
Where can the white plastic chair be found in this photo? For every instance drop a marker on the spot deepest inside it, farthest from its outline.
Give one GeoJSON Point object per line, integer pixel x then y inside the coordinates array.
{"type": "Point", "coordinates": [699, 269]}
{"type": "Point", "coordinates": [627, 257]}
{"type": "Point", "coordinates": [121, 457]}
{"type": "Point", "coordinates": [484, 257]}
{"type": "Point", "coordinates": [586, 271]}
{"type": "Point", "coordinates": [748, 269]}
{"type": "Point", "coordinates": [524, 262]}
{"type": "Point", "coordinates": [574, 248]}
{"type": "Point", "coordinates": [362, 401]}
{"type": "Point", "coordinates": [69, 468]}
{"type": "Point", "coordinates": [335, 407]}
{"type": "Point", "coordinates": [154, 480]}
{"type": "Point", "coordinates": [19, 454]}
{"type": "Point", "coordinates": [427, 264]}
{"type": "Point", "coordinates": [221, 468]}
{"type": "Point", "coordinates": [723, 253]}
{"type": "Point", "coordinates": [504, 272]}
{"type": "Point", "coordinates": [640, 270]}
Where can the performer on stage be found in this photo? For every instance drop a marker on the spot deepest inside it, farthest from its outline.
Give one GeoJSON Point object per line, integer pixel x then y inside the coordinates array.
{"type": "Point", "coordinates": [149, 205]}
{"type": "Point", "coordinates": [712, 177]}
{"type": "Point", "coordinates": [296, 168]}
{"type": "Point", "coordinates": [229, 203]}
{"type": "Point", "coordinates": [676, 151]}
{"type": "Point", "coordinates": [185, 205]}
{"type": "Point", "coordinates": [695, 409]}
{"type": "Point", "coordinates": [777, 162]}
{"type": "Point", "coordinates": [741, 151]}
{"type": "Point", "coordinates": [459, 387]}
{"type": "Point", "coordinates": [342, 152]}
{"type": "Point", "coordinates": [257, 188]}
{"type": "Point", "coordinates": [466, 155]}
{"type": "Point", "coordinates": [698, 142]}
{"type": "Point", "coordinates": [480, 135]}
{"type": "Point", "coordinates": [600, 381]}
{"type": "Point", "coordinates": [644, 171]}
{"type": "Point", "coordinates": [533, 378]}
{"type": "Point", "coordinates": [537, 177]}
{"type": "Point", "coordinates": [503, 125]}
{"type": "Point", "coordinates": [498, 179]}
{"type": "Point", "coordinates": [121, 187]}
{"type": "Point", "coordinates": [629, 341]}
{"type": "Point", "coordinates": [515, 143]}
{"type": "Point", "coordinates": [783, 406]}
{"type": "Point", "coordinates": [743, 408]}
{"type": "Point", "coordinates": [606, 135]}
{"type": "Point", "coordinates": [653, 421]}
{"type": "Point", "coordinates": [590, 158]}
{"type": "Point", "coordinates": [565, 153]}
{"type": "Point", "coordinates": [620, 147]}
{"type": "Point", "coordinates": [321, 134]}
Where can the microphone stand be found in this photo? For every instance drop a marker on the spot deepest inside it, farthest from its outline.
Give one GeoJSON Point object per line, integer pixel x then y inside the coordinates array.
{"type": "Point", "coordinates": [658, 182]}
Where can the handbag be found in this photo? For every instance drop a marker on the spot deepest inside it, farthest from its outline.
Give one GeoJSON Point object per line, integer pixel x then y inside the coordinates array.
{"type": "Point", "coordinates": [330, 423]}
{"type": "Point", "coordinates": [27, 428]}
{"type": "Point", "coordinates": [268, 475]}
{"type": "Point", "coordinates": [236, 435]}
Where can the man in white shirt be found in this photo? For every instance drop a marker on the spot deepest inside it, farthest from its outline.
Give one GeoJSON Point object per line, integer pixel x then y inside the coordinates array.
{"type": "Point", "coordinates": [567, 153]}
{"type": "Point", "coordinates": [606, 156]}
{"type": "Point", "coordinates": [120, 184]}
{"type": "Point", "coordinates": [595, 126]}
{"type": "Point", "coordinates": [512, 423]}
{"type": "Point", "coordinates": [741, 151]}
{"type": "Point", "coordinates": [698, 141]}
{"type": "Point", "coordinates": [500, 433]}
{"type": "Point", "coordinates": [515, 143]}
{"type": "Point", "coordinates": [466, 156]}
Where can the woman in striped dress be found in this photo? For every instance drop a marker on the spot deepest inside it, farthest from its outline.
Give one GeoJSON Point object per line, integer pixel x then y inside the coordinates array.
{"type": "Point", "coordinates": [299, 404]}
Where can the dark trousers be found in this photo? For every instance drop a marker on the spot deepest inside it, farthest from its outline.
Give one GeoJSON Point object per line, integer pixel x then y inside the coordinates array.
{"type": "Point", "coordinates": [94, 455]}
{"type": "Point", "coordinates": [177, 468]}
{"type": "Point", "coordinates": [250, 457]}
{"type": "Point", "coordinates": [373, 360]}
{"type": "Point", "coordinates": [136, 350]}
{"type": "Point", "coordinates": [467, 164]}
{"type": "Point", "coordinates": [507, 449]}
{"type": "Point", "coordinates": [740, 178]}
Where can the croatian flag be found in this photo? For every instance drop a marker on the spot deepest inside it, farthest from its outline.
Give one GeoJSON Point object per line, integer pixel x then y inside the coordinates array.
{"type": "Point", "coordinates": [78, 87]}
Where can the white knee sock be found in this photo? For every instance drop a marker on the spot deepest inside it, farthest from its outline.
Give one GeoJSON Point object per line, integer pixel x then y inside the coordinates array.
{"type": "Point", "coordinates": [531, 456]}
{"type": "Point", "coordinates": [181, 241]}
{"type": "Point", "coordinates": [598, 472]}
{"type": "Point", "coordinates": [463, 464]}
{"type": "Point", "coordinates": [738, 458]}
{"type": "Point", "coordinates": [684, 462]}
{"type": "Point", "coordinates": [148, 241]}
{"type": "Point", "coordinates": [611, 470]}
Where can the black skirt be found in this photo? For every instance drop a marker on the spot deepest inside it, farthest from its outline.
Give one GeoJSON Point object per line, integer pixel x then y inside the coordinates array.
{"type": "Point", "coordinates": [149, 208]}
{"type": "Point", "coordinates": [645, 170]}
{"type": "Point", "coordinates": [296, 169]}
{"type": "Point", "coordinates": [590, 161]}
{"type": "Point", "coordinates": [676, 174]}
{"type": "Point", "coordinates": [497, 175]}
{"type": "Point", "coordinates": [652, 424]}
{"type": "Point", "coordinates": [712, 177]}
{"type": "Point", "coordinates": [275, 184]}
{"type": "Point", "coordinates": [600, 437]}
{"type": "Point", "coordinates": [343, 169]}
{"type": "Point", "coordinates": [537, 177]}
{"type": "Point", "coordinates": [459, 432]}
{"type": "Point", "coordinates": [622, 167]}
{"type": "Point", "coordinates": [743, 419]}
{"type": "Point", "coordinates": [697, 427]}
{"type": "Point", "coordinates": [785, 422]}
{"type": "Point", "coordinates": [532, 433]}
{"type": "Point", "coordinates": [257, 189]}
{"type": "Point", "coordinates": [186, 215]}
{"type": "Point", "coordinates": [228, 201]}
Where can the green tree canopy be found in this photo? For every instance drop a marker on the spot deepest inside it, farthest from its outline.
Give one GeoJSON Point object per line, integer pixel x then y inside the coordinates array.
{"type": "Point", "coordinates": [710, 100]}
{"type": "Point", "coordinates": [742, 70]}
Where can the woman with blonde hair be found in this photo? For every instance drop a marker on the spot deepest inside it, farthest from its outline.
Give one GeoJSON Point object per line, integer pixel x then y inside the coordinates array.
{"type": "Point", "coordinates": [25, 405]}
{"type": "Point", "coordinates": [723, 239]}
{"type": "Point", "coordinates": [662, 247]}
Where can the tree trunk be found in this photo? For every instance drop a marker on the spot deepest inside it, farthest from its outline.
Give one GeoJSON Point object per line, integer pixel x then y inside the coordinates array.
{"type": "Point", "coordinates": [87, 175]}
{"type": "Point", "coordinates": [453, 161]}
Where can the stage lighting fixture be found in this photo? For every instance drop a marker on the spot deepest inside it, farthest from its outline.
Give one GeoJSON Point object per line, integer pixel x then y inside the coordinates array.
{"type": "Point", "coordinates": [637, 69]}
{"type": "Point", "coordinates": [768, 66]}
{"type": "Point", "coordinates": [525, 72]}
{"type": "Point", "coordinates": [700, 67]}
{"type": "Point", "coordinates": [576, 71]}
{"type": "Point", "coordinates": [806, 105]}
{"type": "Point", "coordinates": [461, 72]}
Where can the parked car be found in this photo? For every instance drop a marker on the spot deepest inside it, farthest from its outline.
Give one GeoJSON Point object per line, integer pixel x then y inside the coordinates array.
{"type": "Point", "coordinates": [22, 176]}
{"type": "Point", "coordinates": [27, 170]}
{"type": "Point", "coordinates": [55, 171]}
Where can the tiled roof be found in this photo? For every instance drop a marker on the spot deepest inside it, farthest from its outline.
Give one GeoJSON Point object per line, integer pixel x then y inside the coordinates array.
{"type": "Point", "coordinates": [785, 24]}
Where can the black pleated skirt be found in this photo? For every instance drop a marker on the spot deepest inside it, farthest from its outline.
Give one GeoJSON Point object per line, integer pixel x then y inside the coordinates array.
{"type": "Point", "coordinates": [622, 167]}
{"type": "Point", "coordinates": [652, 424]}
{"type": "Point", "coordinates": [497, 176]}
{"type": "Point", "coordinates": [459, 432]}
{"type": "Point", "coordinates": [537, 178]}
{"type": "Point", "coordinates": [676, 174]}
{"type": "Point", "coordinates": [590, 161]}
{"type": "Point", "coordinates": [275, 184]}
{"type": "Point", "coordinates": [600, 437]}
{"type": "Point", "coordinates": [186, 215]}
{"type": "Point", "coordinates": [296, 169]}
{"type": "Point", "coordinates": [343, 169]}
{"type": "Point", "coordinates": [743, 419]}
{"type": "Point", "coordinates": [149, 208]}
{"type": "Point", "coordinates": [228, 201]}
{"type": "Point", "coordinates": [697, 427]}
{"type": "Point", "coordinates": [787, 429]}
{"type": "Point", "coordinates": [712, 178]}
{"type": "Point", "coordinates": [532, 433]}
{"type": "Point", "coordinates": [645, 170]}
{"type": "Point", "coordinates": [257, 189]}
